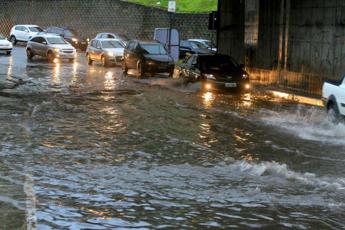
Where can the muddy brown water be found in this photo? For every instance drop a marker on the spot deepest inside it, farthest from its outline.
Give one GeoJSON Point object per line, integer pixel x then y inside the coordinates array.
{"type": "Point", "coordinates": [84, 147]}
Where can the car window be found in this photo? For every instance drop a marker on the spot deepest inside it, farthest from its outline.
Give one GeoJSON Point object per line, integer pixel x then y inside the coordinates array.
{"type": "Point", "coordinates": [2, 37]}
{"type": "Point", "coordinates": [98, 45]}
{"type": "Point", "coordinates": [155, 49]}
{"type": "Point", "coordinates": [56, 40]}
{"type": "Point", "coordinates": [110, 36]}
{"type": "Point", "coordinates": [131, 46]}
{"type": "Point", "coordinates": [35, 29]}
{"type": "Point", "coordinates": [35, 39]}
{"type": "Point", "coordinates": [198, 45]}
{"type": "Point", "coordinates": [69, 33]}
{"type": "Point", "coordinates": [93, 43]}
{"type": "Point", "coordinates": [111, 44]}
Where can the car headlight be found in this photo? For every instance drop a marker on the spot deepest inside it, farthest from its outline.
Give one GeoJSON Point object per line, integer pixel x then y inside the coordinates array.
{"type": "Point", "coordinates": [111, 54]}
{"type": "Point", "coordinates": [56, 50]}
{"type": "Point", "coordinates": [245, 76]}
{"type": "Point", "coordinates": [74, 39]}
{"type": "Point", "coordinates": [150, 62]}
{"type": "Point", "coordinates": [209, 76]}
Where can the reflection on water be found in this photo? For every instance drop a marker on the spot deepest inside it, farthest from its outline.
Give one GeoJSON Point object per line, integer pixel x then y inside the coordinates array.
{"type": "Point", "coordinates": [109, 82]}
{"type": "Point", "coordinates": [9, 68]}
{"type": "Point", "coordinates": [247, 99]}
{"type": "Point", "coordinates": [56, 74]}
{"type": "Point", "coordinates": [208, 99]}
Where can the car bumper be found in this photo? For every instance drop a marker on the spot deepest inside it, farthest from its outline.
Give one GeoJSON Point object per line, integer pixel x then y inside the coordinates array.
{"type": "Point", "coordinates": [218, 85]}
{"type": "Point", "coordinates": [115, 59]}
{"type": "Point", "coordinates": [66, 55]}
{"type": "Point", "coordinates": [160, 68]}
{"type": "Point", "coordinates": [5, 49]}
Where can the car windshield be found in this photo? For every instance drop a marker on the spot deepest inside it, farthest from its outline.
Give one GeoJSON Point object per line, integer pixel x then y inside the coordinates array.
{"type": "Point", "coordinates": [35, 29]}
{"type": "Point", "coordinates": [155, 49]}
{"type": "Point", "coordinates": [56, 40]}
{"type": "Point", "coordinates": [198, 45]}
{"type": "Point", "coordinates": [111, 44]}
{"type": "Point", "coordinates": [217, 63]}
{"type": "Point", "coordinates": [70, 33]}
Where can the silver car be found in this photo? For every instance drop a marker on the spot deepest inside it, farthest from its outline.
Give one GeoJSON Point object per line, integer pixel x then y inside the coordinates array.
{"type": "Point", "coordinates": [107, 51]}
{"type": "Point", "coordinates": [50, 46]}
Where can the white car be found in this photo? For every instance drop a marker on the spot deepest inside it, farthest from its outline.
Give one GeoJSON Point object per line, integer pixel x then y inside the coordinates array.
{"type": "Point", "coordinates": [5, 45]}
{"type": "Point", "coordinates": [107, 51]}
{"type": "Point", "coordinates": [333, 95]}
{"type": "Point", "coordinates": [205, 42]}
{"type": "Point", "coordinates": [23, 33]}
{"type": "Point", "coordinates": [51, 46]}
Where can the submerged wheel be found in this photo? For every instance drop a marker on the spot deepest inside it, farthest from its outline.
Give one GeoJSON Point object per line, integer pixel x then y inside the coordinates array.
{"type": "Point", "coordinates": [140, 70]}
{"type": "Point", "coordinates": [29, 54]}
{"type": "Point", "coordinates": [333, 113]}
{"type": "Point", "coordinates": [13, 40]}
{"type": "Point", "coordinates": [105, 62]}
{"type": "Point", "coordinates": [124, 67]}
{"type": "Point", "coordinates": [89, 60]}
{"type": "Point", "coordinates": [50, 57]}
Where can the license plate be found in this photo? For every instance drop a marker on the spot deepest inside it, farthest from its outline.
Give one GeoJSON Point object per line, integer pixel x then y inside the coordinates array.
{"type": "Point", "coordinates": [230, 85]}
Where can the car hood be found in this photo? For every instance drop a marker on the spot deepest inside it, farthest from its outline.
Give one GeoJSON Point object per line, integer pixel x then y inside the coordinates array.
{"type": "Point", "coordinates": [116, 51]}
{"type": "Point", "coordinates": [202, 51]}
{"type": "Point", "coordinates": [62, 46]}
{"type": "Point", "coordinates": [159, 58]}
{"type": "Point", "coordinates": [227, 75]}
{"type": "Point", "coordinates": [5, 42]}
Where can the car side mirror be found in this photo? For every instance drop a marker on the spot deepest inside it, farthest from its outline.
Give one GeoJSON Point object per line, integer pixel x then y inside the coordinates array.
{"type": "Point", "coordinates": [27, 31]}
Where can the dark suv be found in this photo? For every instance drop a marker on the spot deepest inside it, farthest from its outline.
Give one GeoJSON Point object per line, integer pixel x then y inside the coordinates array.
{"type": "Point", "coordinates": [70, 36]}
{"type": "Point", "coordinates": [147, 57]}
{"type": "Point", "coordinates": [192, 48]}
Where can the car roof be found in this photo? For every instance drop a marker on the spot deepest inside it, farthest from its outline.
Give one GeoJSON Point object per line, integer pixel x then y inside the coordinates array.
{"type": "Point", "coordinates": [47, 35]}
{"type": "Point", "coordinates": [27, 25]}
{"type": "Point", "coordinates": [198, 40]}
{"type": "Point", "coordinates": [107, 39]}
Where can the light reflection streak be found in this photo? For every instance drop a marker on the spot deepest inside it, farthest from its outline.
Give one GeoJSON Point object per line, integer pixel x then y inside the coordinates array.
{"type": "Point", "coordinates": [9, 68]}
{"type": "Point", "coordinates": [208, 99]}
{"type": "Point", "coordinates": [56, 74]}
{"type": "Point", "coordinates": [247, 100]}
{"type": "Point", "coordinates": [109, 82]}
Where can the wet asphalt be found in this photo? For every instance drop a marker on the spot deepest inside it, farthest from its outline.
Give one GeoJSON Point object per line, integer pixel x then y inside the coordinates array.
{"type": "Point", "coordinates": [86, 147]}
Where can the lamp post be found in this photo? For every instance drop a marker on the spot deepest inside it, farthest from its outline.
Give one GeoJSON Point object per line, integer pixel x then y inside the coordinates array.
{"type": "Point", "coordinates": [171, 10]}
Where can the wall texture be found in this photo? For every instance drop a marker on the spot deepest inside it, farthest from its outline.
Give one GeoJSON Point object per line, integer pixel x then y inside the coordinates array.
{"type": "Point", "coordinates": [297, 43]}
{"type": "Point", "coordinates": [92, 16]}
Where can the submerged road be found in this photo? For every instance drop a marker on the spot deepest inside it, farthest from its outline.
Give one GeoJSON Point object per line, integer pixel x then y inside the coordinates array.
{"type": "Point", "coordinates": [84, 147]}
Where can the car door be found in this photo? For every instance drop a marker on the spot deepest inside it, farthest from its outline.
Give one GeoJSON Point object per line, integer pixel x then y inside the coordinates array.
{"type": "Point", "coordinates": [20, 33]}
{"type": "Point", "coordinates": [42, 46]}
{"type": "Point", "coordinates": [130, 56]}
{"type": "Point", "coordinates": [26, 34]}
{"type": "Point", "coordinates": [91, 50]}
{"type": "Point", "coordinates": [98, 51]}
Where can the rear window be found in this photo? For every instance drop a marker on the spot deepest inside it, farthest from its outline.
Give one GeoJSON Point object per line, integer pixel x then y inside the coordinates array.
{"type": "Point", "coordinates": [35, 29]}
{"type": "Point", "coordinates": [155, 49]}
{"type": "Point", "coordinates": [111, 44]}
{"type": "Point", "coordinates": [56, 40]}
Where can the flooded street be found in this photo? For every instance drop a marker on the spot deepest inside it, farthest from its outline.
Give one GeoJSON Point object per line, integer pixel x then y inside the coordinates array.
{"type": "Point", "coordinates": [85, 147]}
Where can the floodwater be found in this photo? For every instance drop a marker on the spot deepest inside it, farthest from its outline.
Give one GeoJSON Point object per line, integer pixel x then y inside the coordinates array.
{"type": "Point", "coordinates": [84, 147]}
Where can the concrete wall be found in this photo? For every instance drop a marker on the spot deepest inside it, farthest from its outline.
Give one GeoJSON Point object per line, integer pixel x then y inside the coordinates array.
{"type": "Point", "coordinates": [231, 28]}
{"type": "Point", "coordinates": [300, 43]}
{"type": "Point", "coordinates": [92, 16]}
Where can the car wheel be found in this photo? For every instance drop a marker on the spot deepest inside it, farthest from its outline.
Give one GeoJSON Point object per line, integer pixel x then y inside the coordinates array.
{"type": "Point", "coordinates": [51, 57]}
{"type": "Point", "coordinates": [140, 70]}
{"type": "Point", "coordinates": [89, 60]}
{"type": "Point", "coordinates": [13, 40]}
{"type": "Point", "coordinates": [104, 61]}
{"type": "Point", "coordinates": [333, 113]}
{"type": "Point", "coordinates": [8, 53]}
{"type": "Point", "coordinates": [29, 54]}
{"type": "Point", "coordinates": [124, 67]}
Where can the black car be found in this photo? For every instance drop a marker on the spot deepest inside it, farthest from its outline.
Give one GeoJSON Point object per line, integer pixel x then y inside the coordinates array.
{"type": "Point", "coordinates": [70, 36]}
{"type": "Point", "coordinates": [193, 48]}
{"type": "Point", "coordinates": [215, 71]}
{"type": "Point", "coordinates": [147, 57]}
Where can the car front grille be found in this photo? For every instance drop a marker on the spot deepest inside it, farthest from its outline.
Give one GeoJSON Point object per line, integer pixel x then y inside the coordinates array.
{"type": "Point", "coordinates": [67, 51]}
